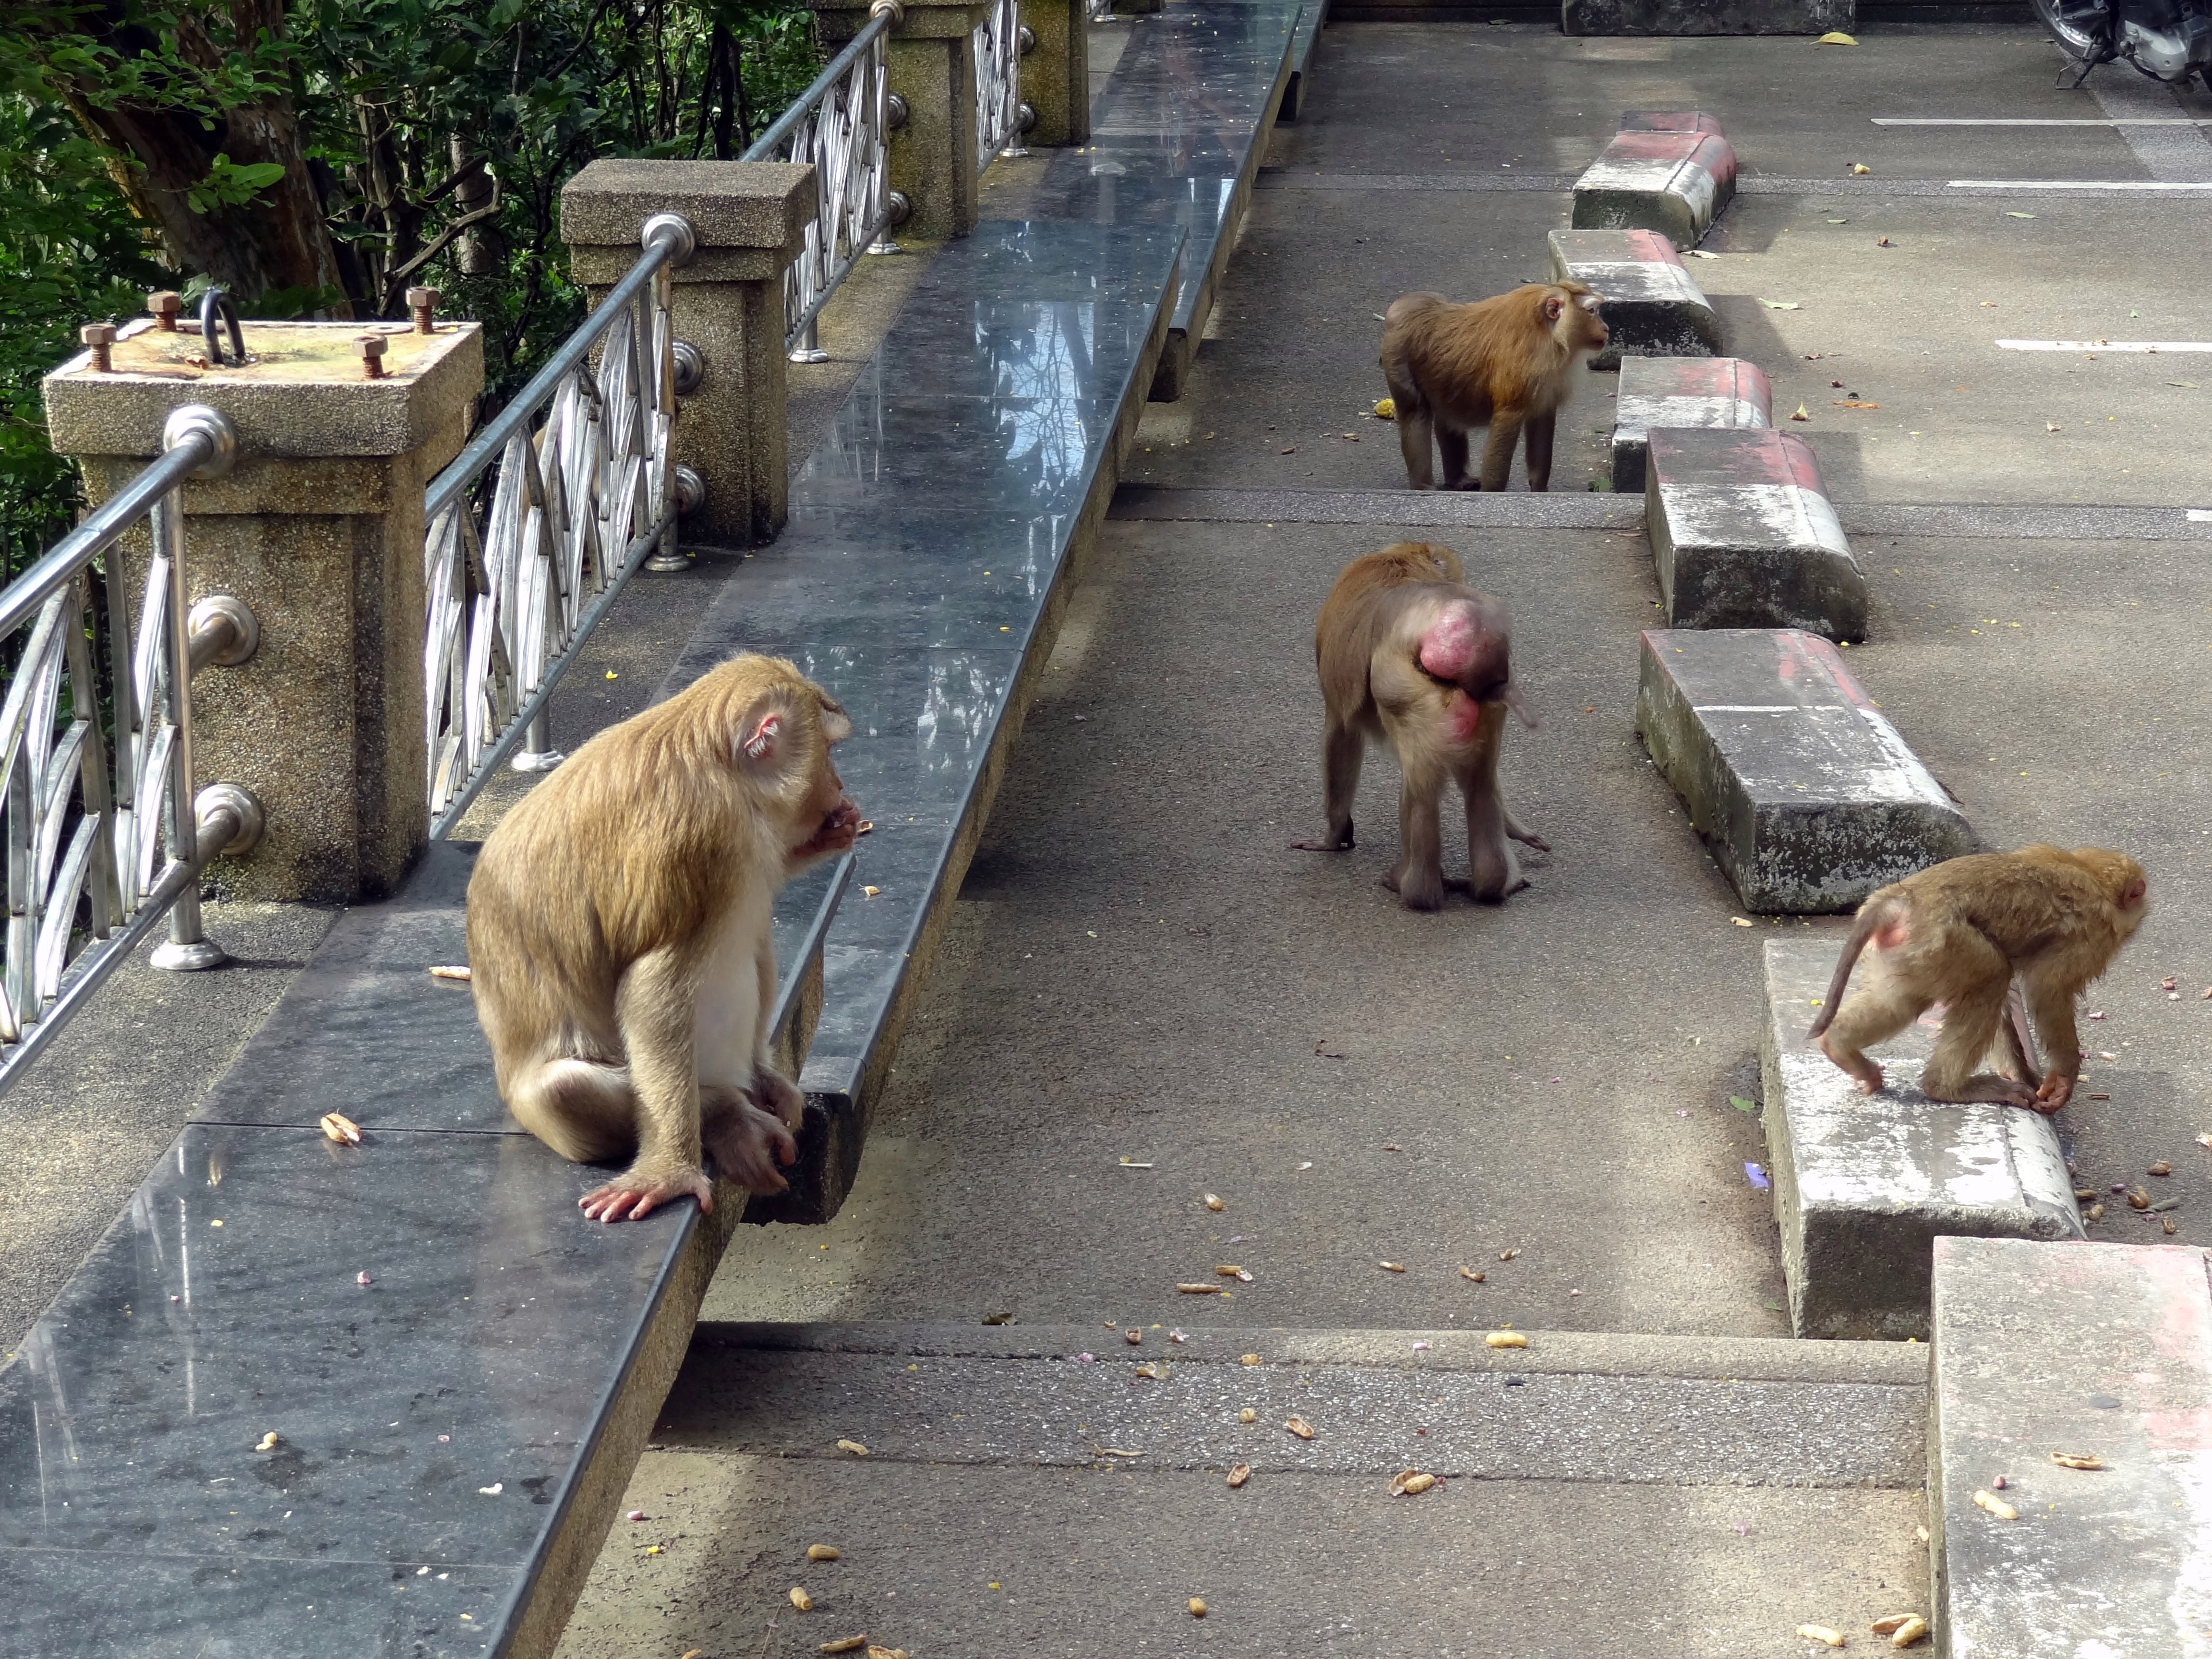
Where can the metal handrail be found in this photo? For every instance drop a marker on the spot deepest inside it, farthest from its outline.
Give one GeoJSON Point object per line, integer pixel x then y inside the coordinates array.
{"type": "Point", "coordinates": [81, 834]}
{"type": "Point", "coordinates": [518, 575]}
{"type": "Point", "coordinates": [841, 125]}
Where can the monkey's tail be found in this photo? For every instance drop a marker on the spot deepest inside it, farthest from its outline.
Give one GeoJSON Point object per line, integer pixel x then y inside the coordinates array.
{"type": "Point", "coordinates": [1874, 915]}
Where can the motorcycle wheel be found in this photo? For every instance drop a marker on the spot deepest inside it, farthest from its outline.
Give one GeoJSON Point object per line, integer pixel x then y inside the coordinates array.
{"type": "Point", "coordinates": [2078, 35]}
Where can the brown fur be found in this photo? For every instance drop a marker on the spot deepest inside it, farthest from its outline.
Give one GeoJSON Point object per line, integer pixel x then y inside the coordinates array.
{"type": "Point", "coordinates": [1506, 363]}
{"type": "Point", "coordinates": [1961, 932]}
{"type": "Point", "coordinates": [611, 918]}
{"type": "Point", "coordinates": [1369, 647]}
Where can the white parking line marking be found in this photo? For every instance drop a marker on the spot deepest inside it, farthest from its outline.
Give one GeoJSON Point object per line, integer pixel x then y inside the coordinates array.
{"type": "Point", "coordinates": [2148, 348]}
{"type": "Point", "coordinates": [2081, 184]}
{"type": "Point", "coordinates": [2200, 515]}
{"type": "Point", "coordinates": [2039, 121]}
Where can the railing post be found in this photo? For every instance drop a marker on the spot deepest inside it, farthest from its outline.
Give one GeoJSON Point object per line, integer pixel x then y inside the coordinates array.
{"type": "Point", "coordinates": [318, 530]}
{"type": "Point", "coordinates": [931, 58]}
{"type": "Point", "coordinates": [750, 221]}
{"type": "Point", "coordinates": [1056, 73]}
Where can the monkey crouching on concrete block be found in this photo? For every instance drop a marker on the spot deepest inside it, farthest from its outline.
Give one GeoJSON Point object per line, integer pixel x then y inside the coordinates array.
{"type": "Point", "coordinates": [619, 944]}
{"type": "Point", "coordinates": [1506, 363]}
{"type": "Point", "coordinates": [1412, 656]}
{"type": "Point", "coordinates": [1961, 932]}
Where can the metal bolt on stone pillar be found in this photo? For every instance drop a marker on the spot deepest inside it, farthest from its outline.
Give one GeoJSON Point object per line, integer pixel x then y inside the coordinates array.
{"type": "Point", "coordinates": [690, 367]}
{"type": "Point", "coordinates": [163, 305]}
{"type": "Point", "coordinates": [422, 304]}
{"type": "Point", "coordinates": [372, 348]}
{"type": "Point", "coordinates": [101, 337]}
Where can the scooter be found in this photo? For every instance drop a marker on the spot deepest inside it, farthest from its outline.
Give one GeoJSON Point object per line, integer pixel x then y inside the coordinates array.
{"type": "Point", "coordinates": [2166, 39]}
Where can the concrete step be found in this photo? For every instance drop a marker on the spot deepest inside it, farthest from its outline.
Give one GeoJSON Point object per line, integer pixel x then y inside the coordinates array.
{"type": "Point", "coordinates": [1026, 1489]}
{"type": "Point", "coordinates": [1864, 1185]}
{"type": "Point", "coordinates": [1743, 534]}
{"type": "Point", "coordinates": [1652, 306]}
{"type": "Point", "coordinates": [1707, 17]}
{"type": "Point", "coordinates": [1677, 392]}
{"type": "Point", "coordinates": [1807, 795]}
{"type": "Point", "coordinates": [2102, 1349]}
{"type": "Point", "coordinates": [1675, 180]}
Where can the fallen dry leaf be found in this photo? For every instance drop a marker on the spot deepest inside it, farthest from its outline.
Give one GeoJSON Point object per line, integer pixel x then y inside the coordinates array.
{"type": "Point", "coordinates": [1469, 1272]}
{"type": "Point", "coordinates": [1238, 1475]}
{"type": "Point", "coordinates": [1114, 1451]}
{"type": "Point", "coordinates": [1799, 414]}
{"type": "Point", "coordinates": [1740, 921]}
{"type": "Point", "coordinates": [2204, 1140]}
{"type": "Point", "coordinates": [1300, 1427]}
{"type": "Point", "coordinates": [1781, 305]}
{"type": "Point", "coordinates": [870, 892]}
{"type": "Point", "coordinates": [449, 972]}
{"type": "Point", "coordinates": [1200, 1290]}
{"type": "Point", "coordinates": [1213, 1202]}
{"type": "Point", "coordinates": [820, 1552]}
{"type": "Point", "coordinates": [2077, 1459]}
{"type": "Point", "coordinates": [1996, 1505]}
{"type": "Point", "coordinates": [1833, 1639]}
{"type": "Point", "coordinates": [1835, 38]}
{"type": "Point", "coordinates": [800, 1599]}
{"type": "Point", "coordinates": [341, 1129]}
{"type": "Point", "coordinates": [1853, 403]}
{"type": "Point", "coordinates": [1157, 1370]}
{"type": "Point", "coordinates": [853, 1447]}
{"type": "Point", "coordinates": [1288, 449]}
{"type": "Point", "coordinates": [1505, 1339]}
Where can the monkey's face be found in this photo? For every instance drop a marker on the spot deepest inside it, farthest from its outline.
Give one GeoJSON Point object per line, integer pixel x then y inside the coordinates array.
{"type": "Point", "coordinates": [1576, 323]}
{"type": "Point", "coordinates": [826, 822]}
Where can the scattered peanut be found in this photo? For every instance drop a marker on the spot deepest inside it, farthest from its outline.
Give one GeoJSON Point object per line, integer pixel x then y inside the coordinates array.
{"type": "Point", "coordinates": [449, 972]}
{"type": "Point", "coordinates": [821, 1552]}
{"type": "Point", "coordinates": [1215, 1289]}
{"type": "Point", "coordinates": [341, 1129]}
{"type": "Point", "coordinates": [1893, 1624]}
{"type": "Point", "coordinates": [2161, 1167]}
{"type": "Point", "coordinates": [1909, 1633]}
{"type": "Point", "coordinates": [1197, 1607]}
{"type": "Point", "coordinates": [1996, 1506]}
{"type": "Point", "coordinates": [1408, 1482]}
{"type": "Point", "coordinates": [1300, 1427]}
{"type": "Point", "coordinates": [268, 1442]}
{"type": "Point", "coordinates": [1133, 1338]}
{"type": "Point", "coordinates": [1834, 1638]}
{"type": "Point", "coordinates": [1506, 1340]}
{"type": "Point", "coordinates": [853, 1447]}
{"type": "Point", "coordinates": [1238, 1475]}
{"type": "Point", "coordinates": [1247, 1415]}
{"type": "Point", "coordinates": [1249, 1359]}
{"type": "Point", "coordinates": [800, 1599]}
{"type": "Point", "coordinates": [1470, 1273]}
{"type": "Point", "coordinates": [1507, 1255]}
{"type": "Point", "coordinates": [846, 1645]}
{"type": "Point", "coordinates": [2138, 1199]}
{"type": "Point", "coordinates": [2077, 1459]}
{"type": "Point", "coordinates": [1213, 1202]}
{"type": "Point", "coordinates": [1391, 1266]}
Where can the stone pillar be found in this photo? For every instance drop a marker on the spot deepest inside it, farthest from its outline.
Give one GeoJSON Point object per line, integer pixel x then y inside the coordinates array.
{"type": "Point", "coordinates": [1056, 74]}
{"type": "Point", "coordinates": [748, 219]}
{"type": "Point", "coordinates": [931, 63]}
{"type": "Point", "coordinates": [319, 529]}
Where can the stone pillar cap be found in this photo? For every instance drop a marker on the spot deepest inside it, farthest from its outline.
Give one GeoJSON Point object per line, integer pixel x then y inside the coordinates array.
{"type": "Point", "coordinates": [301, 394]}
{"type": "Point", "coordinates": [922, 19]}
{"type": "Point", "coordinates": [730, 204]}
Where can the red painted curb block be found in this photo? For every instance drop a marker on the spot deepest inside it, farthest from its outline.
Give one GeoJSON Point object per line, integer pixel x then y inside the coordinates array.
{"type": "Point", "coordinates": [1653, 306]}
{"type": "Point", "coordinates": [1676, 392]}
{"type": "Point", "coordinates": [1673, 182]}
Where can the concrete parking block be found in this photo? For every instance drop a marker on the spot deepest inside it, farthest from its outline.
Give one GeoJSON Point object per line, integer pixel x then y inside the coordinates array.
{"type": "Point", "coordinates": [2097, 1349]}
{"type": "Point", "coordinates": [1863, 1184]}
{"type": "Point", "coordinates": [1706, 17]}
{"type": "Point", "coordinates": [1675, 182]}
{"type": "Point", "coordinates": [1743, 536]}
{"type": "Point", "coordinates": [1670, 120]}
{"type": "Point", "coordinates": [1807, 795]}
{"type": "Point", "coordinates": [1652, 306]}
{"type": "Point", "coordinates": [1673, 392]}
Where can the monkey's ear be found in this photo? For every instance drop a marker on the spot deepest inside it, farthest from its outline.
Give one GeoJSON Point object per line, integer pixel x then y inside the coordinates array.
{"type": "Point", "coordinates": [760, 738]}
{"type": "Point", "coordinates": [1554, 304]}
{"type": "Point", "coordinates": [836, 724]}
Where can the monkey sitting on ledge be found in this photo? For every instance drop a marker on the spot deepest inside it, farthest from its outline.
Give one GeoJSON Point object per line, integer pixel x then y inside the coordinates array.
{"type": "Point", "coordinates": [1507, 364]}
{"type": "Point", "coordinates": [619, 943]}
{"type": "Point", "coordinates": [1971, 932]}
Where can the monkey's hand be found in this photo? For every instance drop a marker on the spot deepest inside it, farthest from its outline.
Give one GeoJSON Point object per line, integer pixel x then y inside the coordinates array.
{"type": "Point", "coordinates": [836, 833]}
{"type": "Point", "coordinates": [636, 1192]}
{"type": "Point", "coordinates": [747, 1145]}
{"type": "Point", "coordinates": [777, 1095]}
{"type": "Point", "coordinates": [2057, 1089]}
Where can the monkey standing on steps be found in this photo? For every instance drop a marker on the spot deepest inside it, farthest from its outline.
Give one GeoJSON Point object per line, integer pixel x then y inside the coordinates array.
{"type": "Point", "coordinates": [1408, 653]}
{"type": "Point", "coordinates": [1960, 932]}
{"type": "Point", "coordinates": [618, 934]}
{"type": "Point", "coordinates": [1507, 364]}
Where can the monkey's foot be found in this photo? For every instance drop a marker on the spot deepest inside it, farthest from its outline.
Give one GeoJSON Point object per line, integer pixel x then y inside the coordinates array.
{"type": "Point", "coordinates": [1869, 1072]}
{"type": "Point", "coordinates": [747, 1145]}
{"type": "Point", "coordinates": [2057, 1089]}
{"type": "Point", "coordinates": [1527, 837]}
{"type": "Point", "coordinates": [1417, 892]}
{"type": "Point", "coordinates": [777, 1095]}
{"type": "Point", "coordinates": [632, 1196]}
{"type": "Point", "coordinates": [1325, 845]}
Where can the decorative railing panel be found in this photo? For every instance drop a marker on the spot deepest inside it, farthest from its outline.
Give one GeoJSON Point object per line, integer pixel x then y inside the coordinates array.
{"type": "Point", "coordinates": [842, 124]}
{"type": "Point", "coordinates": [541, 521]}
{"type": "Point", "coordinates": [998, 43]}
{"type": "Point", "coordinates": [103, 837]}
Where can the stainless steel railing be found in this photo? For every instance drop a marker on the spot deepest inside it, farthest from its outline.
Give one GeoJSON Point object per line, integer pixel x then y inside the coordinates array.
{"type": "Point", "coordinates": [102, 848]}
{"type": "Point", "coordinates": [842, 123]}
{"type": "Point", "coordinates": [541, 521]}
{"type": "Point", "coordinates": [1001, 118]}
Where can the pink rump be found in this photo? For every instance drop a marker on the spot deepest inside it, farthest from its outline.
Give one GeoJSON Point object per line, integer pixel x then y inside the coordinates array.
{"type": "Point", "coordinates": [1447, 647]}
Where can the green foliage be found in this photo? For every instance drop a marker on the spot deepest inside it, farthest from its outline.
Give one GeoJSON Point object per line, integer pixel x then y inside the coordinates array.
{"type": "Point", "coordinates": [414, 114]}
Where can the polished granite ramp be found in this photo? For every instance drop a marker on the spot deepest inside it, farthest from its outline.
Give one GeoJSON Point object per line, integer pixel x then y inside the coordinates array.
{"type": "Point", "coordinates": [459, 1371]}
{"type": "Point", "coordinates": [1176, 138]}
{"type": "Point", "coordinates": [920, 580]}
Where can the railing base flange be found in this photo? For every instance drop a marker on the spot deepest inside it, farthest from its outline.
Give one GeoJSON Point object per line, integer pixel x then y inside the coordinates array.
{"type": "Point", "coordinates": [174, 958]}
{"type": "Point", "coordinates": [540, 759]}
{"type": "Point", "coordinates": [662, 563]}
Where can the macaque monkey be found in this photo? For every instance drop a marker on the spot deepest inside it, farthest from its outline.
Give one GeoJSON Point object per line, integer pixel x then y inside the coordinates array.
{"type": "Point", "coordinates": [1507, 364]}
{"type": "Point", "coordinates": [618, 934]}
{"type": "Point", "coordinates": [1961, 932]}
{"type": "Point", "coordinates": [1411, 656]}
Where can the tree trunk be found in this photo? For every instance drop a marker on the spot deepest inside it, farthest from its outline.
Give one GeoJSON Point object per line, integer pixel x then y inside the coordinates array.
{"type": "Point", "coordinates": [280, 240]}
